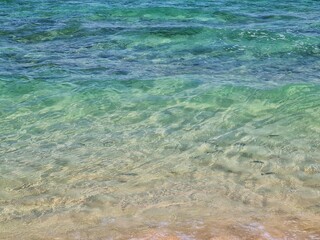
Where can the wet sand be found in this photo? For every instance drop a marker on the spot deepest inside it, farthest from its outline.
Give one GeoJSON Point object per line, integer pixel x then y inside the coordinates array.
{"type": "Point", "coordinates": [167, 227]}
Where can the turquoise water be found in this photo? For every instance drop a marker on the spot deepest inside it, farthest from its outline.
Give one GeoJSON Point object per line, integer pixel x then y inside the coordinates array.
{"type": "Point", "coordinates": [160, 120]}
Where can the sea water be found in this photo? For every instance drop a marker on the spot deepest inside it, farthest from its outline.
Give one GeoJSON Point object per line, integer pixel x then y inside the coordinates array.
{"type": "Point", "coordinates": [160, 119]}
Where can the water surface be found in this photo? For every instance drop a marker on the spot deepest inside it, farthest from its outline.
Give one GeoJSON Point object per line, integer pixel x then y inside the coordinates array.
{"type": "Point", "coordinates": [151, 120]}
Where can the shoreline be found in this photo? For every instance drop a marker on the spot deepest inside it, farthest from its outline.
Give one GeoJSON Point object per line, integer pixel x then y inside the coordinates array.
{"type": "Point", "coordinates": [88, 227]}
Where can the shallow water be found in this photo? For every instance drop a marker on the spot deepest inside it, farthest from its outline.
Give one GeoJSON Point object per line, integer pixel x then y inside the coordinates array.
{"type": "Point", "coordinates": [171, 120]}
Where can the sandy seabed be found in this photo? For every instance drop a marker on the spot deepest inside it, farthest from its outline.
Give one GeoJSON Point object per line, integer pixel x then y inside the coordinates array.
{"type": "Point", "coordinates": [86, 226]}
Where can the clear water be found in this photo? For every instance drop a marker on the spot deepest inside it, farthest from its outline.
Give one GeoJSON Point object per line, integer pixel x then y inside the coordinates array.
{"type": "Point", "coordinates": [160, 119]}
